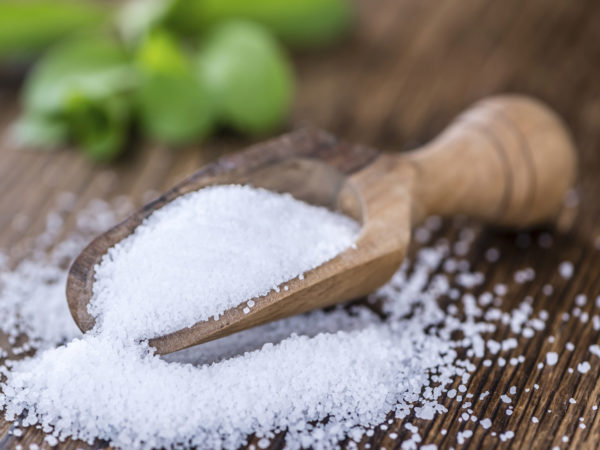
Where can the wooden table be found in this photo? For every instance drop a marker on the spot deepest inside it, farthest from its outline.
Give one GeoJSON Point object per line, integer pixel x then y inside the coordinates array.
{"type": "Point", "coordinates": [409, 67]}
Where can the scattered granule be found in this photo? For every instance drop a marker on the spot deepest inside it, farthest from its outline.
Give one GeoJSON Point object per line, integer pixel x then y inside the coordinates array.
{"type": "Point", "coordinates": [582, 426]}
{"type": "Point", "coordinates": [570, 346]}
{"type": "Point", "coordinates": [51, 440]}
{"type": "Point", "coordinates": [263, 443]}
{"type": "Point", "coordinates": [350, 368]}
{"type": "Point", "coordinates": [583, 367]}
{"type": "Point", "coordinates": [565, 269]}
{"type": "Point", "coordinates": [536, 386]}
{"type": "Point", "coordinates": [505, 398]}
{"type": "Point", "coordinates": [595, 349]}
{"type": "Point", "coordinates": [547, 290]}
{"type": "Point", "coordinates": [492, 254]}
{"type": "Point", "coordinates": [485, 423]}
{"type": "Point", "coordinates": [572, 401]}
{"type": "Point", "coordinates": [534, 419]}
{"type": "Point", "coordinates": [506, 436]}
{"type": "Point", "coordinates": [527, 333]}
{"type": "Point", "coordinates": [551, 339]}
{"type": "Point", "coordinates": [565, 438]}
{"type": "Point", "coordinates": [584, 317]}
{"type": "Point", "coordinates": [551, 358]}
{"type": "Point", "coordinates": [500, 289]}
{"type": "Point", "coordinates": [596, 322]}
{"type": "Point", "coordinates": [580, 299]}
{"type": "Point", "coordinates": [570, 370]}
{"type": "Point", "coordinates": [462, 436]}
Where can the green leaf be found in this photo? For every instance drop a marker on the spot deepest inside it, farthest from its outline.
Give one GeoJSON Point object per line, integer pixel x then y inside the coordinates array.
{"type": "Point", "coordinates": [85, 84]}
{"type": "Point", "coordinates": [99, 127]}
{"type": "Point", "coordinates": [301, 23]}
{"type": "Point", "coordinates": [96, 67]}
{"type": "Point", "coordinates": [173, 105]}
{"type": "Point", "coordinates": [248, 76]}
{"type": "Point", "coordinates": [29, 26]}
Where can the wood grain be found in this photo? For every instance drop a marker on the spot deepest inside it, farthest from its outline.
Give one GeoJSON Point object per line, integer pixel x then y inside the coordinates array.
{"type": "Point", "coordinates": [407, 70]}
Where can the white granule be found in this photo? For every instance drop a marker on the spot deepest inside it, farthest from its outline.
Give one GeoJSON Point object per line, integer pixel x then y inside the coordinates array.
{"type": "Point", "coordinates": [505, 398]}
{"type": "Point", "coordinates": [321, 378]}
{"type": "Point", "coordinates": [566, 269]}
{"type": "Point", "coordinates": [572, 401]}
{"type": "Point", "coordinates": [462, 436]}
{"type": "Point", "coordinates": [583, 367]}
{"type": "Point", "coordinates": [570, 346]}
{"type": "Point", "coordinates": [506, 436]}
{"type": "Point", "coordinates": [177, 267]}
{"type": "Point", "coordinates": [551, 358]}
{"type": "Point", "coordinates": [534, 419]}
{"type": "Point", "coordinates": [580, 299]}
{"type": "Point", "coordinates": [492, 254]}
{"type": "Point", "coordinates": [547, 289]}
{"type": "Point", "coordinates": [485, 423]}
{"type": "Point", "coordinates": [512, 390]}
{"type": "Point", "coordinates": [595, 349]}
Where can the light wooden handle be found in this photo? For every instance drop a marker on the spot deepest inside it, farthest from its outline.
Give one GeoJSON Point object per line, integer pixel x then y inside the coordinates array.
{"type": "Point", "coordinates": [508, 160]}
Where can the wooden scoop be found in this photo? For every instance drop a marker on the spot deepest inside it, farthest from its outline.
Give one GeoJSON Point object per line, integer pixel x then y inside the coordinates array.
{"type": "Point", "coordinates": [508, 160]}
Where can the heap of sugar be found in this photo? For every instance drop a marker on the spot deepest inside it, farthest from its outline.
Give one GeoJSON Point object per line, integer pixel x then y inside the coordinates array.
{"type": "Point", "coordinates": [208, 251]}
{"type": "Point", "coordinates": [321, 378]}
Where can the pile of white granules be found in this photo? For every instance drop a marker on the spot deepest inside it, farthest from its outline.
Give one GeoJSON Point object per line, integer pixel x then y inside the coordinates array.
{"type": "Point", "coordinates": [321, 377]}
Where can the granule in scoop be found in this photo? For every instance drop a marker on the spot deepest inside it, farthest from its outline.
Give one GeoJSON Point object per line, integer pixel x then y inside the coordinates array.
{"type": "Point", "coordinates": [208, 251]}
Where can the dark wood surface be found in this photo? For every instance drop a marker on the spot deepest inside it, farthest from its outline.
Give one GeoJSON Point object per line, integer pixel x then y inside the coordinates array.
{"type": "Point", "coordinates": [408, 69]}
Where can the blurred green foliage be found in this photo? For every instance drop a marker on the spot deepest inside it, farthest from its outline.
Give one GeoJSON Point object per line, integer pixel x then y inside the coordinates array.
{"type": "Point", "coordinates": [172, 103]}
{"type": "Point", "coordinates": [248, 76]}
{"type": "Point", "coordinates": [299, 23]}
{"type": "Point", "coordinates": [29, 26]}
{"type": "Point", "coordinates": [178, 69]}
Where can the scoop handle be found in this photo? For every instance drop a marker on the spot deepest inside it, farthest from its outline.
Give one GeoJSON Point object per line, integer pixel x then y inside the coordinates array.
{"type": "Point", "coordinates": [508, 160]}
